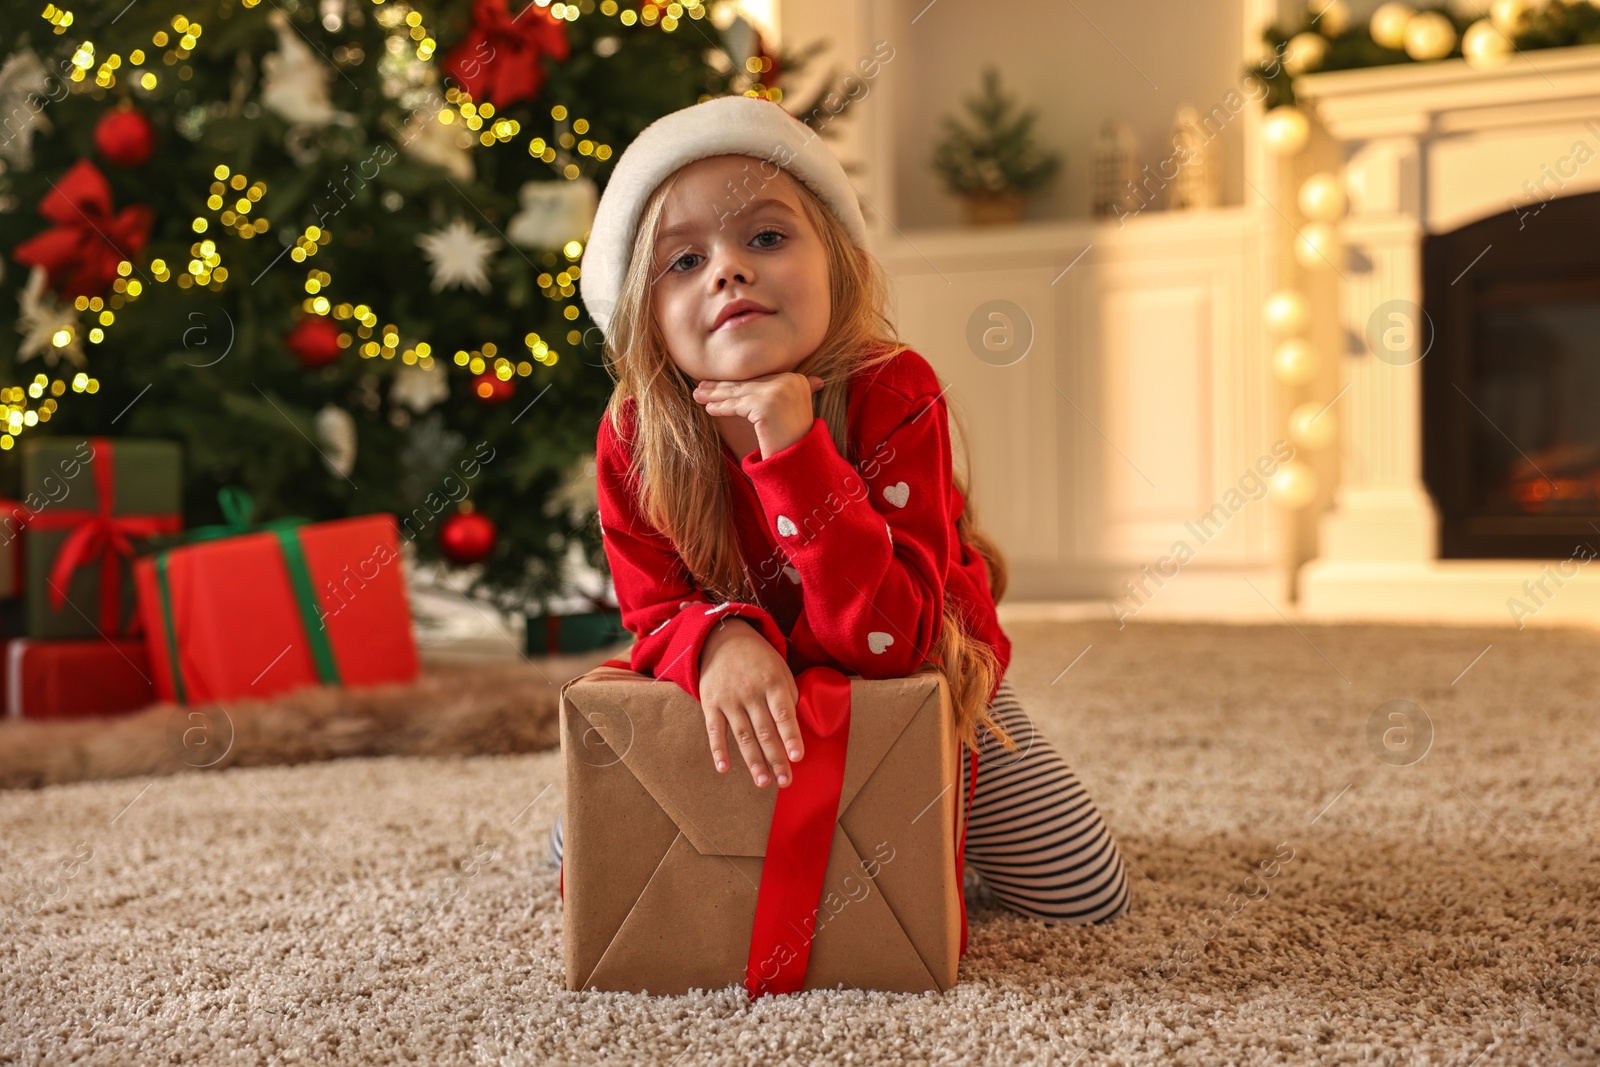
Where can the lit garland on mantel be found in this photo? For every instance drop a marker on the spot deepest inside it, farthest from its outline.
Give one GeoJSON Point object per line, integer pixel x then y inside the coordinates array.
{"type": "Point", "coordinates": [1326, 37]}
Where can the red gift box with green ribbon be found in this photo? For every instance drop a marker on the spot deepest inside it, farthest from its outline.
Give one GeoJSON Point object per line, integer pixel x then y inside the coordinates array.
{"type": "Point", "coordinates": [88, 507]}
{"type": "Point", "coordinates": [251, 610]}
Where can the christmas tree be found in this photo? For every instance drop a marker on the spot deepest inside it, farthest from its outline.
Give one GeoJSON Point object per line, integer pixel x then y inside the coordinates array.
{"type": "Point", "coordinates": [332, 248]}
{"type": "Point", "coordinates": [998, 152]}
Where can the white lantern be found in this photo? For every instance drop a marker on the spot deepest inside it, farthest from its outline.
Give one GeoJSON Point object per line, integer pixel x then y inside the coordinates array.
{"type": "Point", "coordinates": [1388, 24]}
{"type": "Point", "coordinates": [1285, 129]}
{"type": "Point", "coordinates": [1294, 485]}
{"type": "Point", "coordinates": [1430, 35]}
{"type": "Point", "coordinates": [1317, 248]}
{"type": "Point", "coordinates": [1313, 427]}
{"type": "Point", "coordinates": [1331, 17]}
{"type": "Point", "coordinates": [1322, 198]}
{"type": "Point", "coordinates": [1294, 361]}
{"type": "Point", "coordinates": [1286, 312]}
{"type": "Point", "coordinates": [1305, 52]}
{"type": "Point", "coordinates": [1505, 14]}
{"type": "Point", "coordinates": [1485, 46]}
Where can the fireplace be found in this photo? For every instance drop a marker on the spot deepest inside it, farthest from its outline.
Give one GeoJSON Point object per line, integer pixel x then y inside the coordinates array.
{"type": "Point", "coordinates": [1511, 384]}
{"type": "Point", "coordinates": [1468, 479]}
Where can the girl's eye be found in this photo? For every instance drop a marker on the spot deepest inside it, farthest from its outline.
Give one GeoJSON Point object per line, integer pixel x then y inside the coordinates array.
{"type": "Point", "coordinates": [673, 266]}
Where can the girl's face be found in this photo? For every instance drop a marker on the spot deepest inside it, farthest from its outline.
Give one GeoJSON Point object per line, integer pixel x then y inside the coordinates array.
{"type": "Point", "coordinates": [731, 230]}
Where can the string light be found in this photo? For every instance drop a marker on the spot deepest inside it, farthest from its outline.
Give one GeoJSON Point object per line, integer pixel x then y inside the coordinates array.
{"type": "Point", "coordinates": [307, 243]}
{"type": "Point", "coordinates": [58, 17]}
{"type": "Point", "coordinates": [426, 45]}
{"type": "Point", "coordinates": [15, 413]}
{"type": "Point", "coordinates": [234, 200]}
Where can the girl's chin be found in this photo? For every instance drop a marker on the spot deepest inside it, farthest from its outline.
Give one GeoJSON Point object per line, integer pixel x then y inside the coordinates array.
{"type": "Point", "coordinates": [751, 358]}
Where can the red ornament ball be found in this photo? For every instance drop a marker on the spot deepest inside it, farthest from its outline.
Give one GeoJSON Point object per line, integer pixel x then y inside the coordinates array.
{"type": "Point", "coordinates": [467, 537]}
{"type": "Point", "coordinates": [489, 389]}
{"type": "Point", "coordinates": [125, 136]}
{"type": "Point", "coordinates": [314, 341]}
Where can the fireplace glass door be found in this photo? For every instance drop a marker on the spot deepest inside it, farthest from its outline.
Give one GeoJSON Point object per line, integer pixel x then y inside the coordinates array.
{"type": "Point", "coordinates": [1511, 409]}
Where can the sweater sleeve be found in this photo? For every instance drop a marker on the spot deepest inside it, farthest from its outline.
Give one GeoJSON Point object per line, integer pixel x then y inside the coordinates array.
{"type": "Point", "coordinates": [872, 547]}
{"type": "Point", "coordinates": [669, 616]}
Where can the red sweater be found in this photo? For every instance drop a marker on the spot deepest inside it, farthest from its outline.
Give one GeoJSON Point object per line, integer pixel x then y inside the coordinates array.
{"type": "Point", "coordinates": [851, 563]}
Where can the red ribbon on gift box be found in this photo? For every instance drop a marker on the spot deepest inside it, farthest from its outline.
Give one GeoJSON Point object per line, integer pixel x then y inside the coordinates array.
{"type": "Point", "coordinates": [801, 838]}
{"type": "Point", "coordinates": [99, 535]}
{"type": "Point", "coordinates": [804, 818]}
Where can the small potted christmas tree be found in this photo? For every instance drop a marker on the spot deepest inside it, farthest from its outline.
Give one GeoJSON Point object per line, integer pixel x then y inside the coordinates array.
{"type": "Point", "coordinates": [993, 164]}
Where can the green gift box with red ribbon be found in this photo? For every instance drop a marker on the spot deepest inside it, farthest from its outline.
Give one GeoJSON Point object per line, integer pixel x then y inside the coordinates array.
{"type": "Point", "coordinates": [91, 505]}
{"type": "Point", "coordinates": [248, 610]}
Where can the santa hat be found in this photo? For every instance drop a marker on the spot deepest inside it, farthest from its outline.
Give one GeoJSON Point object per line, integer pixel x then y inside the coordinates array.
{"type": "Point", "coordinates": [724, 125]}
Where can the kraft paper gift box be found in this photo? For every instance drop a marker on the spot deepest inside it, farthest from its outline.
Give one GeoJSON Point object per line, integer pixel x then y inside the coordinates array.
{"type": "Point", "coordinates": [664, 857]}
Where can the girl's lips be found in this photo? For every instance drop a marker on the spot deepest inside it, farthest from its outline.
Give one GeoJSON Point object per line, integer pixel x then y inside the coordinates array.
{"type": "Point", "coordinates": [742, 318]}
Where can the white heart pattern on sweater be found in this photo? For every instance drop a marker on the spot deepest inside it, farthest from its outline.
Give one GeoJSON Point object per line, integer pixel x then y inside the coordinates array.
{"type": "Point", "coordinates": [897, 494]}
{"type": "Point", "coordinates": [877, 640]}
{"type": "Point", "coordinates": [786, 526]}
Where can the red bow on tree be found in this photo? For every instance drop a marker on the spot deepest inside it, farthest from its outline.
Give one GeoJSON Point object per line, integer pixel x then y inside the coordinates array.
{"type": "Point", "coordinates": [498, 61]}
{"type": "Point", "coordinates": [82, 250]}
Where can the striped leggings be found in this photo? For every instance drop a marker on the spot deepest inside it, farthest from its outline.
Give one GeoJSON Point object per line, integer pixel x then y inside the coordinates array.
{"type": "Point", "coordinates": [1035, 837]}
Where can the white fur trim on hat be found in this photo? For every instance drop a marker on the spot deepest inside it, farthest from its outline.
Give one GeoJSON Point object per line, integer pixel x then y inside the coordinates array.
{"type": "Point", "coordinates": [724, 125]}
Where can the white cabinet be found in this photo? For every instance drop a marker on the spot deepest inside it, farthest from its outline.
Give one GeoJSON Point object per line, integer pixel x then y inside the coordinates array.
{"type": "Point", "coordinates": [1142, 399]}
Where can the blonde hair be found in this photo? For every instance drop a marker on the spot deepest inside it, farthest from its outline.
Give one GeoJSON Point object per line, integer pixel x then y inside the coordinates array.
{"type": "Point", "coordinates": [677, 453]}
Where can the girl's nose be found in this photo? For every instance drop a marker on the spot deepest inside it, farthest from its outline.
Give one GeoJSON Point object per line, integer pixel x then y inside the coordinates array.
{"type": "Point", "coordinates": [732, 267]}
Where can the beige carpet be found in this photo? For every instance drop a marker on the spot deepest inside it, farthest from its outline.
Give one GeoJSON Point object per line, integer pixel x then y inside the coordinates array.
{"type": "Point", "coordinates": [1441, 911]}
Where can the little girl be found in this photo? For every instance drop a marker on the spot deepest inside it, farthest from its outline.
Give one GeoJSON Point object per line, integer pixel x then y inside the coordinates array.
{"type": "Point", "coordinates": [776, 489]}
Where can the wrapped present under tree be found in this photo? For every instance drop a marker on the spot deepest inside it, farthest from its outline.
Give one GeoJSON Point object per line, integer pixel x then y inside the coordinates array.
{"type": "Point", "coordinates": [92, 505]}
{"type": "Point", "coordinates": [74, 678]}
{"type": "Point", "coordinates": [246, 610]}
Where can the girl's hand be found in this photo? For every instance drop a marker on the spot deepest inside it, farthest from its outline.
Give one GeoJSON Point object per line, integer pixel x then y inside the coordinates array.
{"type": "Point", "coordinates": [745, 684]}
{"type": "Point", "coordinates": [778, 405]}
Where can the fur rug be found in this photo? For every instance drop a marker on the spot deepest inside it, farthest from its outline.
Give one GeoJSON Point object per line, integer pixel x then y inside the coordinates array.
{"type": "Point", "coordinates": [496, 708]}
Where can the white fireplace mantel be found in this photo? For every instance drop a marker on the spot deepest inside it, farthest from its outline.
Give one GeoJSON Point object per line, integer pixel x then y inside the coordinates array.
{"type": "Point", "coordinates": [1428, 148]}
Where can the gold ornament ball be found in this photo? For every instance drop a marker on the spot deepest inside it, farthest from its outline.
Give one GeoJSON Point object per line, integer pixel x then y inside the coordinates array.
{"type": "Point", "coordinates": [1312, 427]}
{"type": "Point", "coordinates": [1286, 312]}
{"type": "Point", "coordinates": [1317, 248]}
{"type": "Point", "coordinates": [1305, 52]}
{"type": "Point", "coordinates": [1294, 485]}
{"type": "Point", "coordinates": [1285, 129]}
{"type": "Point", "coordinates": [1294, 361]}
{"type": "Point", "coordinates": [1485, 46]}
{"type": "Point", "coordinates": [1322, 198]}
{"type": "Point", "coordinates": [1332, 16]}
{"type": "Point", "coordinates": [1505, 14]}
{"type": "Point", "coordinates": [1430, 35]}
{"type": "Point", "coordinates": [1388, 24]}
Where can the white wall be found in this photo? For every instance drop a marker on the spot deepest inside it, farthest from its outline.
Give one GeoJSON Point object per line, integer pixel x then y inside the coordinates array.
{"type": "Point", "coordinates": [1078, 64]}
